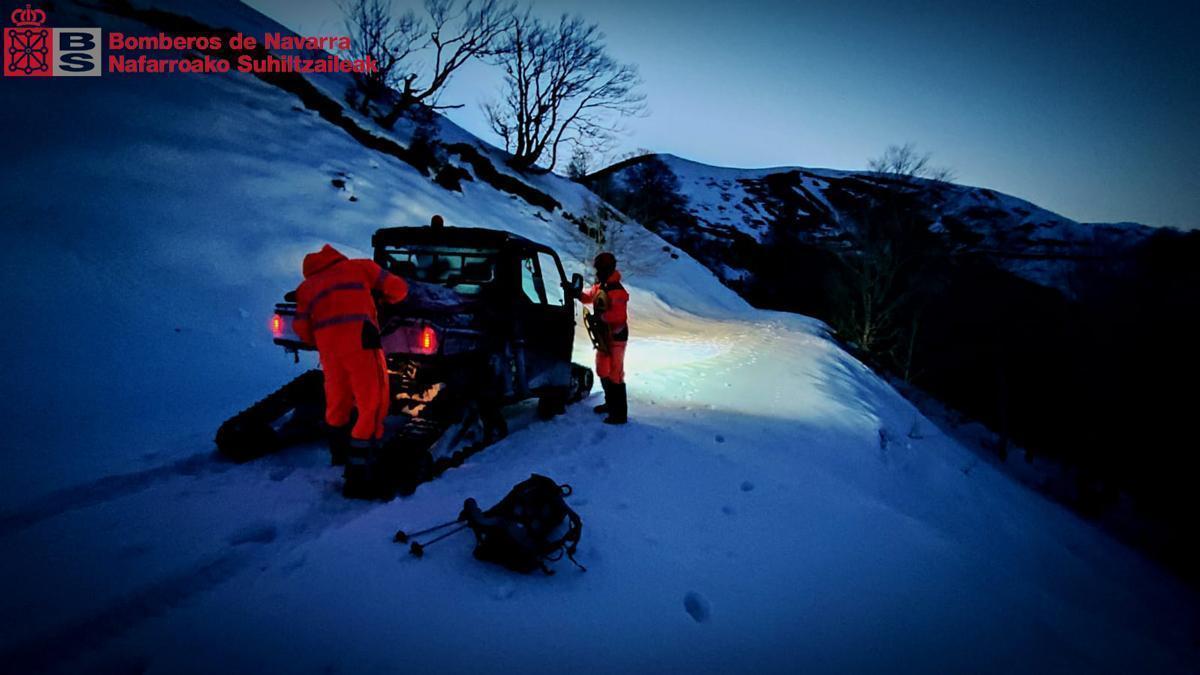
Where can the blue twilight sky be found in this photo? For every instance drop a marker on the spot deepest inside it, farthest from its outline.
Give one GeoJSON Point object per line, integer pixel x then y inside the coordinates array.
{"type": "Point", "coordinates": [1091, 109]}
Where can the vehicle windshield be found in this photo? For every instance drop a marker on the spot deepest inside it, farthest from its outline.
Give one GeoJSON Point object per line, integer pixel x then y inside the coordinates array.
{"type": "Point", "coordinates": [466, 270]}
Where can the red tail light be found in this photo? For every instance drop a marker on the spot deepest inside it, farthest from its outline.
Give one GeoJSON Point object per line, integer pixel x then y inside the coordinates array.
{"type": "Point", "coordinates": [427, 343]}
{"type": "Point", "coordinates": [277, 325]}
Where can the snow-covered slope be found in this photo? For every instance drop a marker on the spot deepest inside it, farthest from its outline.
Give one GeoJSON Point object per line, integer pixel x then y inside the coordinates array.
{"type": "Point", "coordinates": [773, 504]}
{"type": "Point", "coordinates": [818, 206]}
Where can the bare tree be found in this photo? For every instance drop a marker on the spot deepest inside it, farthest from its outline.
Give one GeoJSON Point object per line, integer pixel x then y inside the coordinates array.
{"type": "Point", "coordinates": [561, 86]}
{"type": "Point", "coordinates": [648, 191]}
{"type": "Point", "coordinates": [608, 231]}
{"type": "Point", "coordinates": [418, 55]}
{"type": "Point", "coordinates": [581, 163]}
{"type": "Point", "coordinates": [876, 293]}
{"type": "Point", "coordinates": [458, 32]}
{"type": "Point", "coordinates": [887, 272]}
{"type": "Point", "coordinates": [389, 40]}
{"type": "Point", "coordinates": [905, 164]}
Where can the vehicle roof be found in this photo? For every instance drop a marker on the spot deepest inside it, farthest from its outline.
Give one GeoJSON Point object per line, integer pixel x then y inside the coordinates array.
{"type": "Point", "coordinates": [447, 236]}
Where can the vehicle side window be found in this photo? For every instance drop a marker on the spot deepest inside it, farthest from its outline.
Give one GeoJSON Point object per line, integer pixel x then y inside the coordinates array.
{"type": "Point", "coordinates": [552, 280]}
{"type": "Point", "coordinates": [531, 282]}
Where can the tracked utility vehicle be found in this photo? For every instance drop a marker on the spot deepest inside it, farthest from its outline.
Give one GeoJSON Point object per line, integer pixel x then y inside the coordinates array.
{"type": "Point", "coordinates": [489, 321]}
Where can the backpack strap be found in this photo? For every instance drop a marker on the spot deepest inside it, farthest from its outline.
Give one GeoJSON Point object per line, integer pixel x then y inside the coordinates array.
{"type": "Point", "coordinates": [572, 535]}
{"type": "Point", "coordinates": [570, 540]}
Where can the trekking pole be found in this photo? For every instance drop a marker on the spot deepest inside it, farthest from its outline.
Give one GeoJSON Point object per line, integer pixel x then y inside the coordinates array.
{"type": "Point", "coordinates": [402, 537]}
{"type": "Point", "coordinates": [418, 549]}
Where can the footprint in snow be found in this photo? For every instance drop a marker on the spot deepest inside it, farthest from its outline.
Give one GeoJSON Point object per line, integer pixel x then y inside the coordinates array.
{"type": "Point", "coordinates": [255, 533]}
{"type": "Point", "coordinates": [747, 486]}
{"type": "Point", "coordinates": [697, 607]}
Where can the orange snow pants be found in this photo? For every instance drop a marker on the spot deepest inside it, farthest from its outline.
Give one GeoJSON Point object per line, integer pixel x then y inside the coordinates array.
{"type": "Point", "coordinates": [611, 366]}
{"type": "Point", "coordinates": [356, 379]}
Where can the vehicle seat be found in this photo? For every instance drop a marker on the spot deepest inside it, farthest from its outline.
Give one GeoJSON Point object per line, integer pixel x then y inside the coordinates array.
{"type": "Point", "coordinates": [405, 268]}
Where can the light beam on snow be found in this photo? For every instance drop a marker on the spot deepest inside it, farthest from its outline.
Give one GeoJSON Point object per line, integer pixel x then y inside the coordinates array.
{"type": "Point", "coordinates": [767, 369]}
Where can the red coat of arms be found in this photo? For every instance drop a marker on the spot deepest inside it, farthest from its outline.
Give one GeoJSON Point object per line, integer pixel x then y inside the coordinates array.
{"type": "Point", "coordinates": [28, 47]}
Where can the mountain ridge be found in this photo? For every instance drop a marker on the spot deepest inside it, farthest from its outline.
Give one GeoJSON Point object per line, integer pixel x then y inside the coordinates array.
{"type": "Point", "coordinates": [1019, 236]}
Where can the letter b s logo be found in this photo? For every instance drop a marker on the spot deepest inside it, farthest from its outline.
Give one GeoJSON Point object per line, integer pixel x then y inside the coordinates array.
{"type": "Point", "coordinates": [77, 52]}
{"type": "Point", "coordinates": [75, 40]}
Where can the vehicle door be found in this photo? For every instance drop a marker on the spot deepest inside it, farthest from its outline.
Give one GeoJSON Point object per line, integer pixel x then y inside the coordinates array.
{"type": "Point", "coordinates": [546, 322]}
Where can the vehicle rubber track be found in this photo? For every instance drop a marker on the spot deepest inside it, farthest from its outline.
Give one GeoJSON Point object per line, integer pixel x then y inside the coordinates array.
{"type": "Point", "coordinates": [404, 461]}
{"type": "Point", "coordinates": [253, 433]}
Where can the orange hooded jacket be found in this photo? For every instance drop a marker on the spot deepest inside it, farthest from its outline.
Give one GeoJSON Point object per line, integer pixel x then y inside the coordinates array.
{"type": "Point", "coordinates": [615, 313]}
{"type": "Point", "coordinates": [334, 302]}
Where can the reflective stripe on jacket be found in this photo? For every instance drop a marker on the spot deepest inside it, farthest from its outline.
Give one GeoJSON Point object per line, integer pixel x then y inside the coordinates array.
{"type": "Point", "coordinates": [611, 300]}
{"type": "Point", "coordinates": [334, 302]}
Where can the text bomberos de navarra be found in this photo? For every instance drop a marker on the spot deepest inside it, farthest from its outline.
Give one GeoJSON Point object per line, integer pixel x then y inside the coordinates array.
{"type": "Point", "coordinates": [238, 52]}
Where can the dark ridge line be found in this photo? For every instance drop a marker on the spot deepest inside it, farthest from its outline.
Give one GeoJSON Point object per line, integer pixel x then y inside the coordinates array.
{"type": "Point", "coordinates": [486, 171]}
{"type": "Point", "coordinates": [614, 168]}
{"type": "Point", "coordinates": [332, 111]}
{"type": "Point", "coordinates": [293, 83]}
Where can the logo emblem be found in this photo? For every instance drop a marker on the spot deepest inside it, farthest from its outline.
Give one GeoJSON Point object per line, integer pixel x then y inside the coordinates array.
{"type": "Point", "coordinates": [27, 47]}
{"type": "Point", "coordinates": [34, 50]}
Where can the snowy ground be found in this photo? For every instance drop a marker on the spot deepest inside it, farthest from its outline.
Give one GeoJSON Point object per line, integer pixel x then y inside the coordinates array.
{"type": "Point", "coordinates": [750, 517]}
{"type": "Point", "coordinates": [773, 504]}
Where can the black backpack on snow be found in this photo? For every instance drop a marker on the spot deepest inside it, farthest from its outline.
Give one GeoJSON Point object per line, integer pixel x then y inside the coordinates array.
{"type": "Point", "coordinates": [530, 526]}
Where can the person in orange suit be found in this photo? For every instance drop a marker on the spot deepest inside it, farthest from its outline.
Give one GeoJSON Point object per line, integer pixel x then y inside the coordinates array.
{"type": "Point", "coordinates": [609, 300]}
{"type": "Point", "coordinates": [335, 312]}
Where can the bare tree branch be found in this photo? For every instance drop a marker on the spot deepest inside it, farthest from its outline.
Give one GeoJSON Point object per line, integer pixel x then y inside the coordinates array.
{"type": "Point", "coordinates": [561, 86]}
{"type": "Point", "coordinates": [905, 164]}
{"type": "Point", "coordinates": [449, 35]}
{"type": "Point", "coordinates": [459, 34]}
{"type": "Point", "coordinates": [389, 40]}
